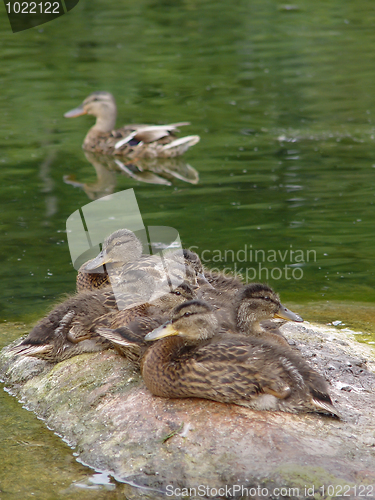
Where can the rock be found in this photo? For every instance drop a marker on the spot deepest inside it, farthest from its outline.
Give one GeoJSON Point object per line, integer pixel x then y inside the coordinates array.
{"type": "Point", "coordinates": [100, 406]}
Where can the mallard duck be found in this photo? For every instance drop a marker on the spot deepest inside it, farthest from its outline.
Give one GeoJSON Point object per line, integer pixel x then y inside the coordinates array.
{"type": "Point", "coordinates": [133, 141]}
{"type": "Point", "coordinates": [255, 304]}
{"type": "Point", "coordinates": [54, 339]}
{"type": "Point", "coordinates": [247, 317]}
{"type": "Point", "coordinates": [192, 360]}
{"type": "Point", "coordinates": [248, 309]}
{"type": "Point", "coordinates": [119, 248]}
{"type": "Point", "coordinates": [127, 328]}
{"type": "Point", "coordinates": [136, 276]}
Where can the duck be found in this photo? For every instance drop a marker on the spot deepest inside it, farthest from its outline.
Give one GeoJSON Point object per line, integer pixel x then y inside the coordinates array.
{"type": "Point", "coordinates": [127, 328]}
{"type": "Point", "coordinates": [132, 141]}
{"type": "Point", "coordinates": [119, 248]}
{"type": "Point", "coordinates": [134, 275]}
{"type": "Point", "coordinates": [54, 339]}
{"type": "Point", "coordinates": [70, 328]}
{"type": "Point", "coordinates": [252, 309]}
{"type": "Point", "coordinates": [249, 309]}
{"type": "Point", "coordinates": [189, 358]}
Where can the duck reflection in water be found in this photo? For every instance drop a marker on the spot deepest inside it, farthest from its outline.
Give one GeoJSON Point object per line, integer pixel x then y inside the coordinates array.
{"type": "Point", "coordinates": [151, 171]}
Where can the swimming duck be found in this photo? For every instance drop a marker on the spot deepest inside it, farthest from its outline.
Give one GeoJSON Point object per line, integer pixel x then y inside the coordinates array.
{"type": "Point", "coordinates": [133, 141]}
{"type": "Point", "coordinates": [192, 360]}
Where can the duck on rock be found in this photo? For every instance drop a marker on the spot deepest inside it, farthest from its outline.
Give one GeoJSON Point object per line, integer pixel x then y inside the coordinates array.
{"type": "Point", "coordinates": [193, 358]}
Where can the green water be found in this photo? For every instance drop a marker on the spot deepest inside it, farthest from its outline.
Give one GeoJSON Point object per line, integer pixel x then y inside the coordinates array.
{"type": "Point", "coordinates": [283, 99]}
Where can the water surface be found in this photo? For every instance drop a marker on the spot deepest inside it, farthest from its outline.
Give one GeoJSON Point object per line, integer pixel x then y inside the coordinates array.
{"type": "Point", "coordinates": [283, 99]}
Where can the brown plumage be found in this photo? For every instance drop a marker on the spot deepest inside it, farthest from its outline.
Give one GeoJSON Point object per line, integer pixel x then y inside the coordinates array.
{"type": "Point", "coordinates": [127, 328]}
{"type": "Point", "coordinates": [122, 265]}
{"type": "Point", "coordinates": [244, 313]}
{"type": "Point", "coordinates": [119, 248]}
{"type": "Point", "coordinates": [254, 305]}
{"type": "Point", "coordinates": [248, 309]}
{"type": "Point", "coordinates": [223, 282]}
{"type": "Point", "coordinates": [191, 361]}
{"type": "Point", "coordinates": [133, 141]}
{"type": "Point", "coordinates": [55, 337]}
{"type": "Point", "coordinates": [91, 281]}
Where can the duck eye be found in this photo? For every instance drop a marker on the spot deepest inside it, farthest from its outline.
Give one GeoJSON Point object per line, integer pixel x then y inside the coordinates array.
{"type": "Point", "coordinates": [267, 298]}
{"type": "Point", "coordinates": [177, 293]}
{"type": "Point", "coordinates": [187, 314]}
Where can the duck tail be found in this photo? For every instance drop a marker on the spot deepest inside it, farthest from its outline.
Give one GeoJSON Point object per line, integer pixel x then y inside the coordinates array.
{"type": "Point", "coordinates": [325, 406]}
{"type": "Point", "coordinates": [31, 350]}
{"type": "Point", "coordinates": [179, 146]}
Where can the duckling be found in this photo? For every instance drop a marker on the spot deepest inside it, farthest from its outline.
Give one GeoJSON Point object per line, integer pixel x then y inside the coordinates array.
{"type": "Point", "coordinates": [127, 272]}
{"type": "Point", "coordinates": [127, 328]}
{"type": "Point", "coordinates": [53, 339]}
{"type": "Point", "coordinates": [255, 304]}
{"type": "Point", "coordinates": [130, 273]}
{"type": "Point", "coordinates": [249, 310]}
{"type": "Point", "coordinates": [133, 141]}
{"type": "Point", "coordinates": [119, 248]}
{"type": "Point", "coordinates": [192, 360]}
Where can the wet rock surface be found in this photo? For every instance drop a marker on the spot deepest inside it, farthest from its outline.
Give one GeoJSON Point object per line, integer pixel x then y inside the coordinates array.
{"type": "Point", "coordinates": [100, 406]}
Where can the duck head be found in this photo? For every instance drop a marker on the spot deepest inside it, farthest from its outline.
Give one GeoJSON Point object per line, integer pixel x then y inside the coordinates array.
{"type": "Point", "coordinates": [102, 105]}
{"type": "Point", "coordinates": [257, 302]}
{"type": "Point", "coordinates": [119, 248]}
{"type": "Point", "coordinates": [194, 321]}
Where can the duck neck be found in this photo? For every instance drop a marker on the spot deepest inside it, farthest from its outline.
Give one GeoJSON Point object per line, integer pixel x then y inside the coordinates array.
{"type": "Point", "coordinates": [158, 364]}
{"type": "Point", "coordinates": [248, 322]}
{"type": "Point", "coordinates": [104, 124]}
{"type": "Point", "coordinates": [106, 121]}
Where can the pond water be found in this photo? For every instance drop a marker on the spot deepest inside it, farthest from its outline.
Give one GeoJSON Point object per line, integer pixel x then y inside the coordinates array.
{"type": "Point", "coordinates": [283, 99]}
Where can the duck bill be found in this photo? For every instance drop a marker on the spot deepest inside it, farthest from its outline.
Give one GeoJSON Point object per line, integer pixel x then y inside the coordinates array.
{"type": "Point", "coordinates": [99, 261]}
{"type": "Point", "coordinates": [75, 112]}
{"type": "Point", "coordinates": [166, 330]}
{"type": "Point", "coordinates": [285, 313]}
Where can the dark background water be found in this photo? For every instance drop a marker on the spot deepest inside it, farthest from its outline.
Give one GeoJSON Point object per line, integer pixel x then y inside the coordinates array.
{"type": "Point", "coordinates": [283, 99]}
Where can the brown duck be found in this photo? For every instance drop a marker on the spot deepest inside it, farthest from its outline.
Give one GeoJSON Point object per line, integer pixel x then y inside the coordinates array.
{"type": "Point", "coordinates": [54, 338]}
{"type": "Point", "coordinates": [248, 309]}
{"type": "Point", "coordinates": [133, 141]}
{"type": "Point", "coordinates": [119, 248]}
{"type": "Point", "coordinates": [122, 264]}
{"type": "Point", "coordinates": [252, 308]}
{"type": "Point", "coordinates": [192, 360]}
{"type": "Point", "coordinates": [126, 329]}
